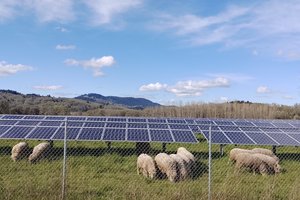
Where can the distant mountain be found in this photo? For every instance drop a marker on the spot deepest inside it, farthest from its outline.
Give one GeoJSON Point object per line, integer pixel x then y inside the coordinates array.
{"type": "Point", "coordinates": [130, 102]}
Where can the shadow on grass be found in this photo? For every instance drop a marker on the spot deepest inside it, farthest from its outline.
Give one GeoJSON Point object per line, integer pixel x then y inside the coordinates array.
{"type": "Point", "coordinates": [289, 156]}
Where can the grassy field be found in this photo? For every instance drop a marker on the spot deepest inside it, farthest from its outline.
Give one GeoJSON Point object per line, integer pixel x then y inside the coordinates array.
{"type": "Point", "coordinates": [94, 172]}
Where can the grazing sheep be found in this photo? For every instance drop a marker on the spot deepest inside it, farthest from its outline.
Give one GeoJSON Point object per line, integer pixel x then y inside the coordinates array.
{"type": "Point", "coordinates": [39, 152]}
{"type": "Point", "coordinates": [189, 158]}
{"type": "Point", "coordinates": [183, 172]}
{"type": "Point", "coordinates": [272, 163]}
{"type": "Point", "coordinates": [19, 151]}
{"type": "Point", "coordinates": [146, 166]}
{"type": "Point", "coordinates": [252, 162]}
{"type": "Point", "coordinates": [167, 165]}
{"type": "Point", "coordinates": [182, 150]}
{"type": "Point", "coordinates": [265, 152]}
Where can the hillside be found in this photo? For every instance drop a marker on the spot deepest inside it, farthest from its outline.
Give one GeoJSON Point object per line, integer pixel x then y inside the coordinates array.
{"type": "Point", "coordinates": [130, 102]}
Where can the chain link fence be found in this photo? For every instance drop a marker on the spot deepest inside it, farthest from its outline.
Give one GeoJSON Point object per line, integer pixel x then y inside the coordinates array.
{"type": "Point", "coordinates": [108, 170]}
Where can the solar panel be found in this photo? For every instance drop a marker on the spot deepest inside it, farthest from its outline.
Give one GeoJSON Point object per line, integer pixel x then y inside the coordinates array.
{"type": "Point", "coordinates": [19, 132]}
{"type": "Point", "coordinates": [72, 134]}
{"type": "Point", "coordinates": [161, 135]}
{"type": "Point", "coordinates": [238, 137]}
{"type": "Point", "coordinates": [261, 138]}
{"type": "Point", "coordinates": [42, 133]}
{"type": "Point", "coordinates": [217, 137]}
{"type": "Point", "coordinates": [283, 139]}
{"type": "Point", "coordinates": [90, 134]}
{"type": "Point", "coordinates": [184, 136]}
{"type": "Point", "coordinates": [114, 135]}
{"type": "Point", "coordinates": [138, 135]}
{"type": "Point", "coordinates": [158, 126]}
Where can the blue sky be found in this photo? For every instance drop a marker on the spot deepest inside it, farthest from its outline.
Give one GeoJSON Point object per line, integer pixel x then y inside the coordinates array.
{"type": "Point", "coordinates": [167, 51]}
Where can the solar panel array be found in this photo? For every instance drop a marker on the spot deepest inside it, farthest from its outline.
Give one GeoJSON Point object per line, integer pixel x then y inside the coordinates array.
{"type": "Point", "coordinates": [95, 129]}
{"type": "Point", "coordinates": [138, 129]}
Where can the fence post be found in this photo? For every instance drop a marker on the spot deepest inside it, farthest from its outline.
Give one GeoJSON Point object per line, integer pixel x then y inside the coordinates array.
{"type": "Point", "coordinates": [209, 163]}
{"type": "Point", "coordinates": [64, 170]}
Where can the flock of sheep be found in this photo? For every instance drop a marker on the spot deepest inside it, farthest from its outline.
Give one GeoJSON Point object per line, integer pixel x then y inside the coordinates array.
{"type": "Point", "coordinates": [176, 167]}
{"type": "Point", "coordinates": [22, 150]}
{"type": "Point", "coordinates": [257, 160]}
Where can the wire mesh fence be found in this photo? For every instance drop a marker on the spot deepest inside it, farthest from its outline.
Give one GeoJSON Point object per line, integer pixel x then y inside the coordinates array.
{"type": "Point", "coordinates": [111, 170]}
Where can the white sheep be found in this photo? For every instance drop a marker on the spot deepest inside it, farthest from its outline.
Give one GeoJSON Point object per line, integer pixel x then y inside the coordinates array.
{"type": "Point", "coordinates": [272, 163]}
{"type": "Point", "coordinates": [265, 152]}
{"type": "Point", "coordinates": [189, 158]}
{"type": "Point", "coordinates": [182, 150]}
{"type": "Point", "coordinates": [39, 152]}
{"type": "Point", "coordinates": [235, 151]}
{"type": "Point", "coordinates": [183, 172]}
{"type": "Point", "coordinates": [146, 166]}
{"type": "Point", "coordinates": [19, 151]}
{"type": "Point", "coordinates": [252, 162]}
{"type": "Point", "coordinates": [167, 166]}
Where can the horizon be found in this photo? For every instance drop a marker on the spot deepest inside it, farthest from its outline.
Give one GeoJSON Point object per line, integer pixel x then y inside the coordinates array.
{"type": "Point", "coordinates": [171, 53]}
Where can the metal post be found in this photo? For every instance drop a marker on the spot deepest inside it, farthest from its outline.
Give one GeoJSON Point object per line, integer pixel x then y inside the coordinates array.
{"type": "Point", "coordinates": [274, 149]}
{"type": "Point", "coordinates": [222, 149]}
{"type": "Point", "coordinates": [209, 164]}
{"type": "Point", "coordinates": [64, 171]}
{"type": "Point", "coordinates": [164, 147]}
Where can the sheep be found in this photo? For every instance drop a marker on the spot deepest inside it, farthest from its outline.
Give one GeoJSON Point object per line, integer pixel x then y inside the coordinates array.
{"type": "Point", "coordinates": [182, 150]}
{"type": "Point", "coordinates": [39, 152]}
{"type": "Point", "coordinates": [265, 152]}
{"type": "Point", "coordinates": [272, 163]}
{"type": "Point", "coordinates": [236, 151]}
{"type": "Point", "coordinates": [146, 166]}
{"type": "Point", "coordinates": [252, 162]}
{"type": "Point", "coordinates": [167, 166]}
{"type": "Point", "coordinates": [188, 157]}
{"type": "Point", "coordinates": [19, 151]}
{"type": "Point", "coordinates": [183, 172]}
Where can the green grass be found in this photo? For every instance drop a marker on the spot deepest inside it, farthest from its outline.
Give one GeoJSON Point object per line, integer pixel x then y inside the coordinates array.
{"type": "Point", "coordinates": [94, 172]}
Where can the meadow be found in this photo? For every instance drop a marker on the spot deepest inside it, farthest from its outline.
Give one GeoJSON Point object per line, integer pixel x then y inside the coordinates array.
{"type": "Point", "coordinates": [96, 172]}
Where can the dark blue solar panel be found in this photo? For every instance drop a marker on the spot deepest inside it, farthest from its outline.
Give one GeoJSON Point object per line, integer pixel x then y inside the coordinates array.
{"type": "Point", "coordinates": [42, 133]}
{"type": "Point", "coordinates": [50, 123]}
{"type": "Point", "coordinates": [136, 120]}
{"type": "Point", "coordinates": [76, 118]}
{"type": "Point", "coordinates": [137, 125]}
{"type": "Point", "coordinates": [290, 130]}
{"type": "Point", "coordinates": [184, 136]}
{"type": "Point", "coordinates": [217, 137]}
{"type": "Point", "coordinates": [295, 136]}
{"type": "Point", "coordinates": [296, 125]}
{"type": "Point", "coordinates": [55, 118]}
{"type": "Point", "coordinates": [254, 129]}
{"type": "Point", "coordinates": [238, 138]}
{"type": "Point", "coordinates": [138, 135]}
{"type": "Point", "coordinates": [74, 124]}
{"type": "Point", "coordinates": [206, 127]}
{"type": "Point", "coordinates": [116, 125]}
{"type": "Point", "coordinates": [157, 120]}
{"type": "Point", "coordinates": [224, 123]}
{"type": "Point", "coordinates": [271, 130]}
{"type": "Point", "coordinates": [179, 126]}
{"type": "Point", "coordinates": [195, 128]}
{"type": "Point", "coordinates": [17, 132]}
{"type": "Point", "coordinates": [72, 133]}
{"type": "Point", "coordinates": [96, 119]}
{"type": "Point", "coordinates": [114, 135]}
{"type": "Point", "coordinates": [12, 117]}
{"type": "Point", "coordinates": [229, 128]}
{"type": "Point", "coordinates": [161, 136]}
{"type": "Point", "coordinates": [242, 123]}
{"type": "Point", "coordinates": [263, 124]}
{"type": "Point", "coordinates": [8, 122]}
{"type": "Point", "coordinates": [190, 121]}
{"type": "Point", "coordinates": [27, 123]}
{"type": "Point", "coordinates": [94, 124]}
{"type": "Point", "coordinates": [116, 119]}
{"type": "Point", "coordinates": [91, 134]}
{"type": "Point", "coordinates": [158, 126]}
{"type": "Point", "coordinates": [282, 125]}
{"type": "Point", "coordinates": [176, 121]}
{"type": "Point", "coordinates": [3, 129]}
{"type": "Point", "coordinates": [34, 117]}
{"type": "Point", "coordinates": [261, 138]}
{"type": "Point", "coordinates": [207, 122]}
{"type": "Point", "coordinates": [283, 139]}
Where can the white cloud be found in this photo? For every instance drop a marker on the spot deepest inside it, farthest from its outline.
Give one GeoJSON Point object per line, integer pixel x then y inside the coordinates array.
{"type": "Point", "coordinates": [153, 87]}
{"type": "Point", "coordinates": [263, 90]}
{"type": "Point", "coordinates": [65, 47]}
{"type": "Point", "coordinates": [104, 11]}
{"type": "Point", "coordinates": [8, 9]}
{"type": "Point", "coordinates": [96, 64]}
{"type": "Point", "coordinates": [188, 88]}
{"type": "Point", "coordinates": [289, 97]}
{"type": "Point", "coordinates": [10, 69]}
{"type": "Point", "coordinates": [48, 87]}
{"type": "Point", "coordinates": [266, 26]}
{"type": "Point", "coordinates": [62, 29]}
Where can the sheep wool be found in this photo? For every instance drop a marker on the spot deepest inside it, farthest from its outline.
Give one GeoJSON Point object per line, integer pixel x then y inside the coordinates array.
{"type": "Point", "coordinates": [272, 163]}
{"type": "Point", "coordinates": [146, 166]}
{"type": "Point", "coordinates": [182, 150]}
{"type": "Point", "coordinates": [252, 162]}
{"type": "Point", "coordinates": [167, 165]}
{"type": "Point", "coordinates": [182, 167]}
{"type": "Point", "coordinates": [19, 151]}
{"type": "Point", "coordinates": [39, 152]}
{"type": "Point", "coordinates": [265, 152]}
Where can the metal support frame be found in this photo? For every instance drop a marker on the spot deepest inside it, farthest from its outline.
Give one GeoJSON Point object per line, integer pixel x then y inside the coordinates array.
{"type": "Point", "coordinates": [108, 145]}
{"type": "Point", "coordinates": [274, 149]}
{"type": "Point", "coordinates": [64, 170]}
{"type": "Point", "coordinates": [222, 149]}
{"type": "Point", "coordinates": [209, 164]}
{"type": "Point", "coordinates": [164, 147]}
